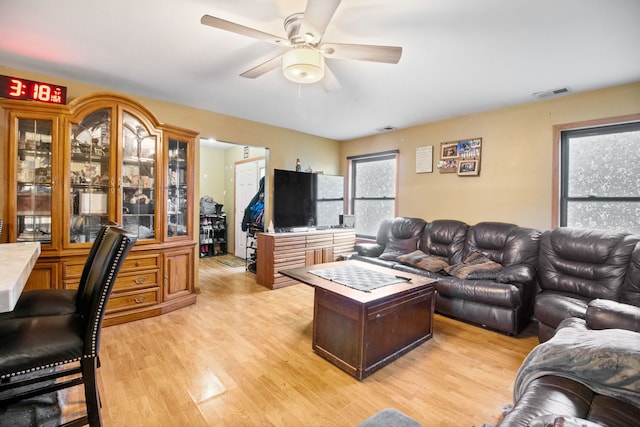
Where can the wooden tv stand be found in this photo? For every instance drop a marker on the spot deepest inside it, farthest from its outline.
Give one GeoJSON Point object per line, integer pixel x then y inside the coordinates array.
{"type": "Point", "coordinates": [279, 251]}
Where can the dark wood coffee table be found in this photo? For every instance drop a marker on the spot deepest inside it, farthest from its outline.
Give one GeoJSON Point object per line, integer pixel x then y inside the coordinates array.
{"type": "Point", "coordinates": [360, 332]}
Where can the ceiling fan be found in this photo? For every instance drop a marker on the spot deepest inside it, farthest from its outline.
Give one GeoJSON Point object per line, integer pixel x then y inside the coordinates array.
{"type": "Point", "coordinates": [304, 62]}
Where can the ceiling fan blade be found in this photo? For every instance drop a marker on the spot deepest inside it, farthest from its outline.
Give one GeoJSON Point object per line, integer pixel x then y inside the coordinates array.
{"type": "Point", "coordinates": [317, 15]}
{"type": "Point", "coordinates": [362, 52]}
{"type": "Point", "coordinates": [214, 22]}
{"type": "Point", "coordinates": [329, 82]}
{"type": "Point", "coordinates": [263, 68]}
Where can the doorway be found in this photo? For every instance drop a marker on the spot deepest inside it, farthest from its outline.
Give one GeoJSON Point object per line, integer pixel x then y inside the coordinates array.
{"type": "Point", "coordinates": [247, 178]}
{"type": "Point", "coordinates": [217, 178]}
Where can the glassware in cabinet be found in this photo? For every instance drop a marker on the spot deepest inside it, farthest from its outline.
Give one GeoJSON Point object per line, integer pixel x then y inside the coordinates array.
{"type": "Point", "coordinates": [89, 175]}
{"type": "Point", "coordinates": [138, 177]}
{"type": "Point", "coordinates": [34, 180]}
{"type": "Point", "coordinates": [177, 188]}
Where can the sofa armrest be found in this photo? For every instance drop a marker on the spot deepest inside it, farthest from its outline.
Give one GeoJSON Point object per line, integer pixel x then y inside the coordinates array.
{"type": "Point", "coordinates": [517, 273]}
{"type": "Point", "coordinates": [607, 314]}
{"type": "Point", "coordinates": [369, 249]}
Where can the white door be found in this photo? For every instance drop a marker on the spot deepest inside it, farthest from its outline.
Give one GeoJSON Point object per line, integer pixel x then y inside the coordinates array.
{"type": "Point", "coordinates": [247, 177]}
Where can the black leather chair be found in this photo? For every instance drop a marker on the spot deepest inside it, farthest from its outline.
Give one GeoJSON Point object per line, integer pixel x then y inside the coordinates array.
{"type": "Point", "coordinates": [47, 302]}
{"type": "Point", "coordinates": [42, 354]}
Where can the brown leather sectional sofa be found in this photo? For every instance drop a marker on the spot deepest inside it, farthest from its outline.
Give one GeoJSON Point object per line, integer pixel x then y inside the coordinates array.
{"type": "Point", "coordinates": [550, 276]}
{"type": "Point", "coordinates": [571, 280]}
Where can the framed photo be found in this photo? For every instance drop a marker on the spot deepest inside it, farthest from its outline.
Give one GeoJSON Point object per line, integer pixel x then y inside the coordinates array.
{"type": "Point", "coordinates": [448, 166]}
{"type": "Point", "coordinates": [448, 150]}
{"type": "Point", "coordinates": [468, 168]}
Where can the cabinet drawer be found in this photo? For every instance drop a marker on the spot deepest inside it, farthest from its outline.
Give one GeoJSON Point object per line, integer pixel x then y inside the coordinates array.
{"type": "Point", "coordinates": [140, 262]}
{"type": "Point", "coordinates": [73, 268]}
{"type": "Point", "coordinates": [289, 242]}
{"type": "Point", "coordinates": [319, 241]}
{"type": "Point", "coordinates": [133, 299]}
{"type": "Point", "coordinates": [136, 280]}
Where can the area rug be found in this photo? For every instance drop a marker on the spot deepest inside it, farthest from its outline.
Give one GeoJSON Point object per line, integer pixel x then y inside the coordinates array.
{"type": "Point", "coordinates": [389, 418]}
{"type": "Point", "coordinates": [231, 261]}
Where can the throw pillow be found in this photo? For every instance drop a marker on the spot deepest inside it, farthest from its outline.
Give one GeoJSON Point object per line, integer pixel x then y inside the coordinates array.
{"type": "Point", "coordinates": [424, 261]}
{"type": "Point", "coordinates": [475, 266]}
{"type": "Point", "coordinates": [396, 248]}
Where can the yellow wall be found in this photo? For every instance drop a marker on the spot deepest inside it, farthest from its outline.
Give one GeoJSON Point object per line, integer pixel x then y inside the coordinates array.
{"type": "Point", "coordinates": [515, 182]}
{"type": "Point", "coordinates": [212, 173]}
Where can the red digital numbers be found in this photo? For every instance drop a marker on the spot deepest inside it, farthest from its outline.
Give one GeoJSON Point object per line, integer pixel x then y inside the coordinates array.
{"type": "Point", "coordinates": [41, 92]}
{"type": "Point", "coordinates": [16, 88]}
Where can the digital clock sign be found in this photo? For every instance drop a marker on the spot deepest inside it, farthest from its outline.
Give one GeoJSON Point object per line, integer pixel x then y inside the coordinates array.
{"type": "Point", "coordinates": [17, 88]}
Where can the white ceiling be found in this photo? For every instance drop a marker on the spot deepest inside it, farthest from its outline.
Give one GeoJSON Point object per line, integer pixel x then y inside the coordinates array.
{"type": "Point", "coordinates": [459, 56]}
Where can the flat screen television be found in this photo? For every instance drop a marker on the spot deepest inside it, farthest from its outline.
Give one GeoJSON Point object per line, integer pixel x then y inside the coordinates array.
{"type": "Point", "coordinates": [303, 201]}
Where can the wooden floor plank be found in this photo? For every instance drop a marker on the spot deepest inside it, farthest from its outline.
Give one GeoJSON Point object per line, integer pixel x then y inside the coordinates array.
{"type": "Point", "coordinates": [241, 356]}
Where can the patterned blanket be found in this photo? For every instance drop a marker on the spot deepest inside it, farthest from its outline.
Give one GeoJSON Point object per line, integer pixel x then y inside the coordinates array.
{"type": "Point", "coordinates": [607, 361]}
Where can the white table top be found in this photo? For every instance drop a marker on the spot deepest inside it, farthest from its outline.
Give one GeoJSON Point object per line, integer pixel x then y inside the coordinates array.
{"type": "Point", "coordinates": [16, 262]}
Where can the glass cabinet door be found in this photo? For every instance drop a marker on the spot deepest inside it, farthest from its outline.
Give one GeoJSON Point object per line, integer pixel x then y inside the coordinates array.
{"type": "Point", "coordinates": [177, 188]}
{"type": "Point", "coordinates": [138, 177]}
{"type": "Point", "coordinates": [89, 175]}
{"type": "Point", "coordinates": [33, 204]}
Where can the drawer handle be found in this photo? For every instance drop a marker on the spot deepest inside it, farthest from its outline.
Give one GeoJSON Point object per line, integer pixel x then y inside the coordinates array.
{"type": "Point", "coordinates": [138, 263]}
{"type": "Point", "coordinates": [140, 299]}
{"type": "Point", "coordinates": [140, 280]}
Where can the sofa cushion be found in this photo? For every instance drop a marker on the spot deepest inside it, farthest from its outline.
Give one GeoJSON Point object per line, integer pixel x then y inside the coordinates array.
{"type": "Point", "coordinates": [395, 248]}
{"type": "Point", "coordinates": [475, 266]}
{"type": "Point", "coordinates": [486, 292]}
{"type": "Point", "coordinates": [424, 261]}
{"type": "Point", "coordinates": [585, 262]}
{"type": "Point", "coordinates": [445, 238]}
{"type": "Point", "coordinates": [504, 243]}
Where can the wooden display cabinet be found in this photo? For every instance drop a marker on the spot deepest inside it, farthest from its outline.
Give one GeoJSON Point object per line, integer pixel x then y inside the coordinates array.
{"type": "Point", "coordinates": [103, 158]}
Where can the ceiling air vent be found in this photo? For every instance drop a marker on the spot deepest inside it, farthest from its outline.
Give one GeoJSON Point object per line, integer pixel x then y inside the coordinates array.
{"type": "Point", "coordinates": [552, 92]}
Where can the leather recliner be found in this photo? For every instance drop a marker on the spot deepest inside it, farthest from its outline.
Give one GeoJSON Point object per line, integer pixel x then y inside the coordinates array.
{"type": "Point", "coordinates": [576, 266]}
{"type": "Point", "coordinates": [504, 303]}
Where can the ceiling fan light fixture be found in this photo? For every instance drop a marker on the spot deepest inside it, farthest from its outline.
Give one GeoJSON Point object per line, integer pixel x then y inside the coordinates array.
{"type": "Point", "coordinates": [303, 65]}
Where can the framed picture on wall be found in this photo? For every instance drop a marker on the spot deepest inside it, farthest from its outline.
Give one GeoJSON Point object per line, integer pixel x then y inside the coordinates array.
{"type": "Point", "coordinates": [468, 168]}
{"type": "Point", "coordinates": [448, 151]}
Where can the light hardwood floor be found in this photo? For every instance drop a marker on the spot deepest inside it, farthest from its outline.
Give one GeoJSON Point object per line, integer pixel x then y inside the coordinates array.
{"type": "Point", "coordinates": [241, 356]}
